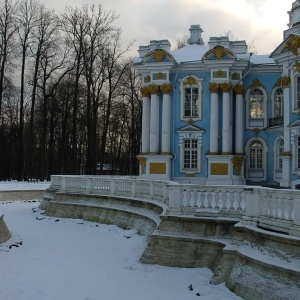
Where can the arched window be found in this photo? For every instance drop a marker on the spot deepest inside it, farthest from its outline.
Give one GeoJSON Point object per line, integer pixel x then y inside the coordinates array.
{"type": "Point", "coordinates": [256, 159]}
{"type": "Point", "coordinates": [278, 103]}
{"type": "Point", "coordinates": [256, 102]}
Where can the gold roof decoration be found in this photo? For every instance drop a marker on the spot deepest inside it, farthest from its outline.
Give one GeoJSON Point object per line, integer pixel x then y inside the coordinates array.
{"type": "Point", "coordinates": [292, 44]}
{"type": "Point", "coordinates": [159, 55]}
{"type": "Point", "coordinates": [219, 52]}
{"type": "Point", "coordinates": [190, 81]}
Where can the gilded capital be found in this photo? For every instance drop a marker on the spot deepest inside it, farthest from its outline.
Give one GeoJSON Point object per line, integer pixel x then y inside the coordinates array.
{"type": "Point", "coordinates": [225, 87]}
{"type": "Point", "coordinates": [214, 87]}
{"type": "Point", "coordinates": [296, 67]}
{"type": "Point", "coordinates": [153, 89]}
{"type": "Point", "coordinates": [166, 88]}
{"type": "Point", "coordinates": [145, 91]}
{"type": "Point", "coordinates": [239, 89]}
{"type": "Point", "coordinates": [237, 164]}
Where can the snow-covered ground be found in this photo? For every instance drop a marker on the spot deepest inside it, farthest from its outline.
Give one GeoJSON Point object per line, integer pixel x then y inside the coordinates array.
{"type": "Point", "coordinates": [66, 259]}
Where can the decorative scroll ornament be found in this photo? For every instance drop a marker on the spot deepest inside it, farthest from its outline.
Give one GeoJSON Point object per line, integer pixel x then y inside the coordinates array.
{"type": "Point", "coordinates": [239, 89]}
{"type": "Point", "coordinates": [147, 79]}
{"type": "Point", "coordinates": [235, 76]}
{"type": "Point", "coordinates": [237, 164]}
{"type": "Point", "coordinates": [153, 89]}
{"type": "Point", "coordinates": [214, 87]}
{"type": "Point", "coordinates": [225, 87]}
{"type": "Point", "coordinates": [166, 88]}
{"type": "Point", "coordinates": [142, 161]}
{"type": "Point", "coordinates": [145, 91]}
{"type": "Point", "coordinates": [292, 44]}
{"type": "Point", "coordinates": [283, 82]}
{"type": "Point", "coordinates": [190, 81]}
{"type": "Point", "coordinates": [296, 67]}
{"type": "Point", "coordinates": [159, 55]}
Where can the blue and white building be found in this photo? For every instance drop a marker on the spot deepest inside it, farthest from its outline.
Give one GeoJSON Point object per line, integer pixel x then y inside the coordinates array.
{"type": "Point", "coordinates": [214, 113]}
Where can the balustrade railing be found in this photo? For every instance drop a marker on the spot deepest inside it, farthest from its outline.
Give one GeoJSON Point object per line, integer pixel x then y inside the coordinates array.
{"type": "Point", "coordinates": [277, 209]}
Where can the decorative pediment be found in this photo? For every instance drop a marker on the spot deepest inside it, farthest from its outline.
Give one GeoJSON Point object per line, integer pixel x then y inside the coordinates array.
{"type": "Point", "coordinates": [291, 43]}
{"type": "Point", "coordinates": [158, 55]}
{"type": "Point", "coordinates": [190, 128]}
{"type": "Point", "coordinates": [219, 52]}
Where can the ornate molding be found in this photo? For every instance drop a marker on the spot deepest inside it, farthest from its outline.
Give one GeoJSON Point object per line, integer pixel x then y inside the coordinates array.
{"type": "Point", "coordinates": [237, 163]}
{"type": "Point", "coordinates": [296, 67]}
{"type": "Point", "coordinates": [239, 89]}
{"type": "Point", "coordinates": [214, 87]}
{"type": "Point", "coordinates": [160, 76]}
{"type": "Point", "coordinates": [225, 87]}
{"type": "Point", "coordinates": [145, 91]}
{"type": "Point", "coordinates": [190, 81]}
{"type": "Point", "coordinates": [220, 74]}
{"type": "Point", "coordinates": [219, 52]}
{"type": "Point", "coordinates": [235, 76]}
{"type": "Point", "coordinates": [292, 44]}
{"type": "Point", "coordinates": [256, 84]}
{"type": "Point", "coordinates": [153, 89]}
{"type": "Point", "coordinates": [166, 88]}
{"type": "Point", "coordinates": [283, 82]}
{"type": "Point", "coordinates": [159, 55]}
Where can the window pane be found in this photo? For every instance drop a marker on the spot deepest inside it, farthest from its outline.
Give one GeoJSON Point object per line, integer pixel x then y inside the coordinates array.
{"type": "Point", "coordinates": [278, 103]}
{"type": "Point", "coordinates": [256, 103]}
{"type": "Point", "coordinates": [191, 102]}
{"type": "Point", "coordinates": [190, 153]}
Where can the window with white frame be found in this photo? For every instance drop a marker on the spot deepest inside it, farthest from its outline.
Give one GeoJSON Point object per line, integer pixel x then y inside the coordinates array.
{"type": "Point", "coordinates": [279, 148]}
{"type": "Point", "coordinates": [278, 103]}
{"type": "Point", "coordinates": [256, 158]}
{"type": "Point", "coordinates": [190, 98]}
{"type": "Point", "coordinates": [191, 102]}
{"type": "Point", "coordinates": [256, 104]}
{"type": "Point", "coordinates": [190, 149]}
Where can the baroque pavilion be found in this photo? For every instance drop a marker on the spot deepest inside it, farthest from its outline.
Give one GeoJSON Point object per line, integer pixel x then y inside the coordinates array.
{"type": "Point", "coordinates": [214, 113]}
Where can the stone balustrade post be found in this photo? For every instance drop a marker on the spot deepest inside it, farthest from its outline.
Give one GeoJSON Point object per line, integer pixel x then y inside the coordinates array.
{"type": "Point", "coordinates": [174, 206]}
{"type": "Point", "coordinates": [63, 184]}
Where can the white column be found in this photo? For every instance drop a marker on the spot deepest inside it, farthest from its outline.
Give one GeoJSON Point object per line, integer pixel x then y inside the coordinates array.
{"type": "Point", "coordinates": [146, 124]}
{"type": "Point", "coordinates": [154, 119]}
{"type": "Point", "coordinates": [239, 124]}
{"type": "Point", "coordinates": [214, 118]}
{"type": "Point", "coordinates": [166, 118]}
{"type": "Point", "coordinates": [226, 145]}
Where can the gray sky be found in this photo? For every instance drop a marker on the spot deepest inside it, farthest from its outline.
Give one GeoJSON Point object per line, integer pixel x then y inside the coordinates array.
{"type": "Point", "coordinates": [260, 22]}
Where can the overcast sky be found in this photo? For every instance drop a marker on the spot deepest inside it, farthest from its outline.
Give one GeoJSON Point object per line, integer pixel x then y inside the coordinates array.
{"type": "Point", "coordinates": [260, 22]}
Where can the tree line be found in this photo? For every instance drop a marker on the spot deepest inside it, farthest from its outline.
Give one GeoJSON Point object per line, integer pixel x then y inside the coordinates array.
{"type": "Point", "coordinates": [69, 97]}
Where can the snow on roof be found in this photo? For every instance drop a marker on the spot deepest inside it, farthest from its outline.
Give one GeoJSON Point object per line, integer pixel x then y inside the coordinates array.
{"type": "Point", "coordinates": [190, 53]}
{"type": "Point", "coordinates": [261, 59]}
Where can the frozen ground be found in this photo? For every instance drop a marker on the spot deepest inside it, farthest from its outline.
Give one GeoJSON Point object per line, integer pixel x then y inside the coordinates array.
{"type": "Point", "coordinates": [65, 259]}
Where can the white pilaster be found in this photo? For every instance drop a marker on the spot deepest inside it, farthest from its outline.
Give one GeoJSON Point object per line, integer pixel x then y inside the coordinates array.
{"type": "Point", "coordinates": [154, 122]}
{"type": "Point", "coordinates": [226, 146]}
{"type": "Point", "coordinates": [214, 119]}
{"type": "Point", "coordinates": [166, 120]}
{"type": "Point", "coordinates": [146, 125]}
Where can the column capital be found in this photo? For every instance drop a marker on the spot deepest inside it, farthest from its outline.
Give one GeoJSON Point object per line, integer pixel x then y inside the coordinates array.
{"type": "Point", "coordinates": [166, 88]}
{"type": "Point", "coordinates": [153, 89]}
{"type": "Point", "coordinates": [285, 81]}
{"type": "Point", "coordinates": [225, 87]}
{"type": "Point", "coordinates": [239, 89]}
{"type": "Point", "coordinates": [214, 87]}
{"type": "Point", "coordinates": [145, 91]}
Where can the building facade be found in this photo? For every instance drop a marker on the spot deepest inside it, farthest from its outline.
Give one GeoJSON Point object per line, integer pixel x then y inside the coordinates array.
{"type": "Point", "coordinates": [217, 114]}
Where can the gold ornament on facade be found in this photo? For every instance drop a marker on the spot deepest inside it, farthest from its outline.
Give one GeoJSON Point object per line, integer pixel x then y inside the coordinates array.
{"type": "Point", "coordinates": [145, 91]}
{"type": "Point", "coordinates": [219, 52]}
{"type": "Point", "coordinates": [235, 76]}
{"type": "Point", "coordinates": [191, 121]}
{"type": "Point", "coordinates": [237, 164]}
{"type": "Point", "coordinates": [292, 44]}
{"type": "Point", "coordinates": [153, 89]}
{"type": "Point", "coordinates": [296, 67]}
{"type": "Point", "coordinates": [256, 84]}
{"type": "Point", "coordinates": [142, 161]}
{"type": "Point", "coordinates": [256, 130]}
{"type": "Point", "coordinates": [190, 81]}
{"type": "Point", "coordinates": [160, 76]}
{"type": "Point", "coordinates": [166, 88]}
{"type": "Point", "coordinates": [239, 89]}
{"type": "Point", "coordinates": [147, 79]}
{"type": "Point", "coordinates": [225, 87]}
{"type": "Point", "coordinates": [214, 87]}
{"type": "Point", "coordinates": [220, 74]}
{"type": "Point", "coordinates": [159, 55]}
{"type": "Point", "coordinates": [285, 82]}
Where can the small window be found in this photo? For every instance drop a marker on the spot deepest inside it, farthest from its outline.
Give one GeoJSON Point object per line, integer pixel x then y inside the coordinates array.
{"type": "Point", "coordinates": [256, 103]}
{"type": "Point", "coordinates": [190, 154]}
{"type": "Point", "coordinates": [191, 102]}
